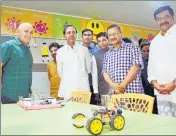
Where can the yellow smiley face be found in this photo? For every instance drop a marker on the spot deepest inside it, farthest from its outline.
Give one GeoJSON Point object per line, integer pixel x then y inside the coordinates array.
{"type": "Point", "coordinates": [96, 26]}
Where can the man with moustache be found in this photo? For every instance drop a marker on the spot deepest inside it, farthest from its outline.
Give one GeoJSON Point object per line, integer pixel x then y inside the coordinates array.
{"type": "Point", "coordinates": [74, 64]}
{"type": "Point", "coordinates": [162, 62]}
{"type": "Point", "coordinates": [52, 71]}
{"type": "Point", "coordinates": [122, 65]}
{"type": "Point", "coordinates": [16, 66]}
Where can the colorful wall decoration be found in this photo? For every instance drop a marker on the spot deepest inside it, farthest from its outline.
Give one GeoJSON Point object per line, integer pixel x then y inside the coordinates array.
{"type": "Point", "coordinates": [96, 26]}
{"type": "Point", "coordinates": [51, 25]}
{"type": "Point", "coordinates": [58, 22]}
{"type": "Point", "coordinates": [136, 32]}
{"type": "Point", "coordinates": [12, 17]}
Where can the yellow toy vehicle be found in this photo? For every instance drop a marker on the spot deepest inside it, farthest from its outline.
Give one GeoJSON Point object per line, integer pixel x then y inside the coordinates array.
{"type": "Point", "coordinates": [101, 116]}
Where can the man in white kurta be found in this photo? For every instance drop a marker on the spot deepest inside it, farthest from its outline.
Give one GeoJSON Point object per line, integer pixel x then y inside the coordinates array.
{"type": "Point", "coordinates": [74, 64]}
{"type": "Point", "coordinates": [162, 62]}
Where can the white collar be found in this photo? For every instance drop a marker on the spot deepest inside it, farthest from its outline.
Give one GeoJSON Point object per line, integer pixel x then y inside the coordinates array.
{"type": "Point", "coordinates": [173, 28]}
{"type": "Point", "coordinates": [69, 47]}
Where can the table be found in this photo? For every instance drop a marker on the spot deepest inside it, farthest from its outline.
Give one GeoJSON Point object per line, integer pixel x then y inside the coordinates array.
{"type": "Point", "coordinates": [16, 121]}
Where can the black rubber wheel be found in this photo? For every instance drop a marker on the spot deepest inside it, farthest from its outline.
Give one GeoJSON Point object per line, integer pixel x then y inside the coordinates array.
{"type": "Point", "coordinates": [78, 116]}
{"type": "Point", "coordinates": [94, 126]}
{"type": "Point", "coordinates": [117, 122]}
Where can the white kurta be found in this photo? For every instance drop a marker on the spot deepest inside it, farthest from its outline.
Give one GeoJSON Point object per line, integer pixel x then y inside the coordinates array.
{"type": "Point", "coordinates": [73, 67]}
{"type": "Point", "coordinates": [162, 59]}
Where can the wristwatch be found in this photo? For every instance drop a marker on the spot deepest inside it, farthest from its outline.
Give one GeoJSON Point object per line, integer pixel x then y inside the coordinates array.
{"type": "Point", "coordinates": [174, 81]}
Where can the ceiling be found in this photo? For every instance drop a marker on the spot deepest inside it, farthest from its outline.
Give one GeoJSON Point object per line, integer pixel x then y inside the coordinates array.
{"type": "Point", "coordinates": [138, 13]}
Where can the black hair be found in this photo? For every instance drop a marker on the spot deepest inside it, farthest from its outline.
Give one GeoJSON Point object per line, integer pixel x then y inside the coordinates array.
{"type": "Point", "coordinates": [140, 41]}
{"type": "Point", "coordinates": [54, 44]}
{"type": "Point", "coordinates": [104, 34]}
{"type": "Point", "coordinates": [66, 26]}
{"type": "Point", "coordinates": [143, 44]}
{"type": "Point", "coordinates": [114, 25]}
{"type": "Point", "coordinates": [87, 30]}
{"type": "Point", "coordinates": [127, 40]}
{"type": "Point", "coordinates": [163, 8]}
{"type": "Point", "coordinates": [61, 45]}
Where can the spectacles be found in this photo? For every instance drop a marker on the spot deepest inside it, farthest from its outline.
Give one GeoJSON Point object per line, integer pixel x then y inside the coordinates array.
{"type": "Point", "coordinates": [114, 34]}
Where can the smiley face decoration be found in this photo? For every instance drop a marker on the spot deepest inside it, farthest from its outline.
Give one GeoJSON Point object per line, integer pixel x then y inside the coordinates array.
{"type": "Point", "coordinates": [96, 26]}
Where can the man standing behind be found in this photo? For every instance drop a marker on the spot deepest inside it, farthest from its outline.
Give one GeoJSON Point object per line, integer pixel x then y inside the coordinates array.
{"type": "Point", "coordinates": [148, 88]}
{"type": "Point", "coordinates": [99, 84]}
{"type": "Point", "coordinates": [16, 65]}
{"type": "Point", "coordinates": [52, 71]}
{"type": "Point", "coordinates": [122, 65]}
{"type": "Point", "coordinates": [74, 64]}
{"type": "Point", "coordinates": [162, 61]}
{"type": "Point", "coordinates": [87, 36]}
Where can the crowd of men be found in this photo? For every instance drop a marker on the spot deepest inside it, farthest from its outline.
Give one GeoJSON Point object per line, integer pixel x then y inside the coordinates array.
{"type": "Point", "coordinates": [111, 65]}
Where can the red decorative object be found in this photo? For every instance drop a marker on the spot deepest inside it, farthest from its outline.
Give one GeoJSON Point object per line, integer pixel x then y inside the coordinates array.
{"type": "Point", "coordinates": [13, 24]}
{"type": "Point", "coordinates": [40, 27]}
{"type": "Point", "coordinates": [135, 36]}
{"type": "Point", "coordinates": [150, 38]}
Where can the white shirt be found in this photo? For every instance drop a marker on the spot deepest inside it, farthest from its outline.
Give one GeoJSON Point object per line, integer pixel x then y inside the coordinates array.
{"type": "Point", "coordinates": [94, 75]}
{"type": "Point", "coordinates": [73, 66]}
{"type": "Point", "coordinates": [162, 58]}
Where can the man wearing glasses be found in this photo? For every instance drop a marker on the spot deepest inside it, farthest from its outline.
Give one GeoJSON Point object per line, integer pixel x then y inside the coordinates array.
{"type": "Point", "coordinates": [122, 65]}
{"type": "Point", "coordinates": [162, 62]}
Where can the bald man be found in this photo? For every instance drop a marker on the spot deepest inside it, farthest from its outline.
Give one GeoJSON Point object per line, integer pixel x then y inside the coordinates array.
{"type": "Point", "coordinates": [16, 66]}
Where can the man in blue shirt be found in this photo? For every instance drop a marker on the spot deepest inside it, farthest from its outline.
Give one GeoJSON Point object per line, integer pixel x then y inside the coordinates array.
{"type": "Point", "coordinates": [87, 36]}
{"type": "Point", "coordinates": [16, 66]}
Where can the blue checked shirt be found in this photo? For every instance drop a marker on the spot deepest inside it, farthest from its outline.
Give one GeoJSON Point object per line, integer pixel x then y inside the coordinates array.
{"type": "Point", "coordinates": [117, 63]}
